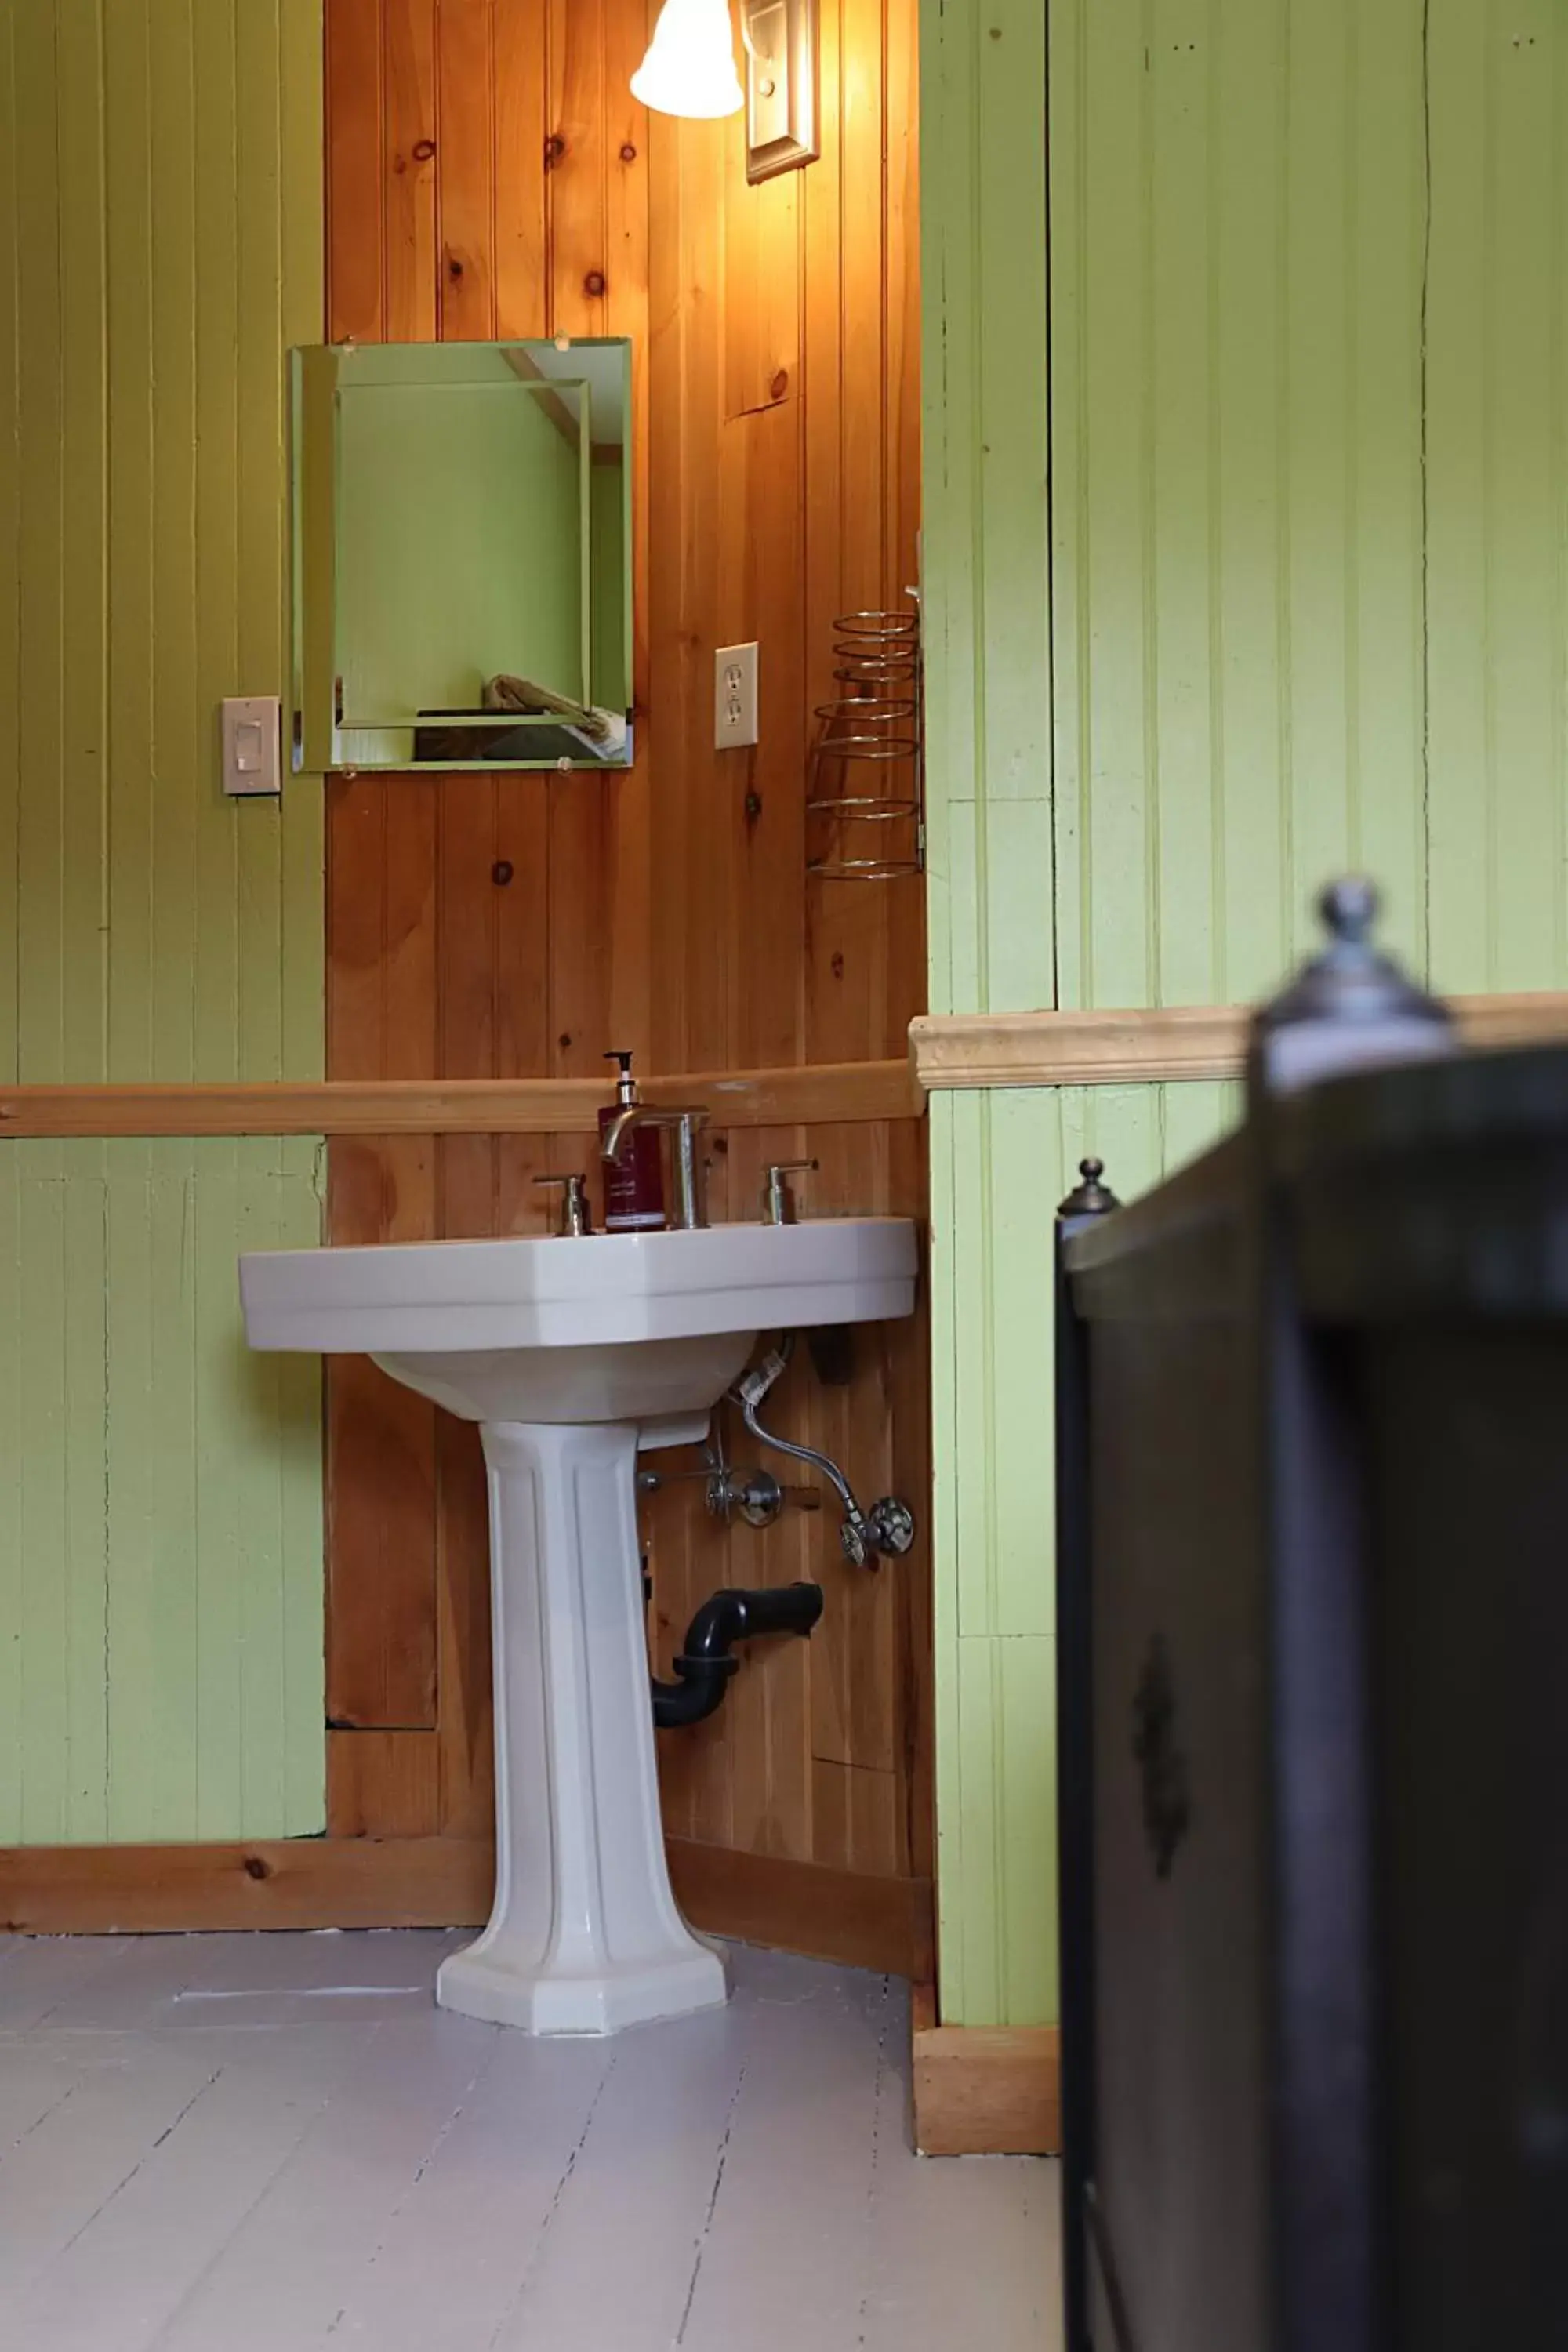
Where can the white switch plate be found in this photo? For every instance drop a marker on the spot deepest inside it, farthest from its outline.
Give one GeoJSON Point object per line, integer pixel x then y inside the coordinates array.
{"type": "Point", "coordinates": [252, 745]}
{"type": "Point", "coordinates": [734, 697]}
{"type": "Point", "coordinates": [768, 71]}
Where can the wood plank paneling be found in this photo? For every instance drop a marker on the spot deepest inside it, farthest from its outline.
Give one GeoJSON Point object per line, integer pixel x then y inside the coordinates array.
{"type": "Point", "coordinates": [384, 1784]}
{"type": "Point", "coordinates": [761, 603]}
{"type": "Point", "coordinates": [522, 99]}
{"type": "Point", "coordinates": [1288, 597]}
{"type": "Point", "coordinates": [692, 940]}
{"type": "Point", "coordinates": [381, 1440]}
{"type": "Point", "coordinates": [667, 910]}
{"type": "Point", "coordinates": [160, 1592]}
{"type": "Point", "coordinates": [356, 215]}
{"type": "Point", "coordinates": [409, 225]}
{"type": "Point", "coordinates": [465, 171]}
{"type": "Point", "coordinates": [1496, 479]}
{"type": "Point", "coordinates": [10, 561]}
{"type": "Point", "coordinates": [576, 270]}
{"type": "Point", "coordinates": [1008, 1157]}
{"type": "Point", "coordinates": [1237, 504]}
{"type": "Point", "coordinates": [628, 311]}
{"type": "Point", "coordinates": [761, 289]}
{"type": "Point", "coordinates": [465, 1713]}
{"type": "Point", "coordinates": [160, 246]}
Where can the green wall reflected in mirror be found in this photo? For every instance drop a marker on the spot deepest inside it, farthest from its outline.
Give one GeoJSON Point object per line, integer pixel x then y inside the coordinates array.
{"type": "Point", "coordinates": [462, 556]}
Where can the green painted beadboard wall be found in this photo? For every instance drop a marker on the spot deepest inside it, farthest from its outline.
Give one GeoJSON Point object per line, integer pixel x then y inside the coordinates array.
{"type": "Point", "coordinates": [160, 1492]}
{"type": "Point", "coordinates": [1246, 560]}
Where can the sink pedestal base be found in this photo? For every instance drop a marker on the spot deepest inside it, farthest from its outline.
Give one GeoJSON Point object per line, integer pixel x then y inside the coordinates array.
{"type": "Point", "coordinates": [585, 1937]}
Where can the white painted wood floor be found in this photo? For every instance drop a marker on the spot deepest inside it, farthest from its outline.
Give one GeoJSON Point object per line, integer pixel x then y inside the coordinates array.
{"type": "Point", "coordinates": [261, 2143]}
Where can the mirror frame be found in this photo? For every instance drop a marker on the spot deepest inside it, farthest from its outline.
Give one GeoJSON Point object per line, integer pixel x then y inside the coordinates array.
{"type": "Point", "coordinates": [314, 731]}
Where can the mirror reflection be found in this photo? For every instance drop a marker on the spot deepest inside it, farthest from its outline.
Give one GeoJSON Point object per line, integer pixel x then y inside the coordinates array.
{"type": "Point", "coordinates": [463, 555]}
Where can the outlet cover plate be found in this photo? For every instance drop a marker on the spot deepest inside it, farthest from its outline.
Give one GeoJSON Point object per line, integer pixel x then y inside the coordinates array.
{"type": "Point", "coordinates": [734, 697]}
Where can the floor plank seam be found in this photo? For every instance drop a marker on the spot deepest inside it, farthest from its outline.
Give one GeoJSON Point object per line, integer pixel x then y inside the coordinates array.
{"type": "Point", "coordinates": [492, 2051]}
{"type": "Point", "coordinates": [264, 2189]}
{"type": "Point", "coordinates": [145, 2158]}
{"type": "Point", "coordinates": [864, 2316]}
{"type": "Point", "coordinates": [702, 2235]}
{"type": "Point", "coordinates": [115, 1951]}
{"type": "Point", "coordinates": [531, 2265]}
{"type": "Point", "coordinates": [52, 2109]}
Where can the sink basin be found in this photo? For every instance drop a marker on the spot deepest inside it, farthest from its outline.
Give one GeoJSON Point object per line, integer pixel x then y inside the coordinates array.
{"type": "Point", "coordinates": [572, 1354]}
{"type": "Point", "coordinates": [616, 1326]}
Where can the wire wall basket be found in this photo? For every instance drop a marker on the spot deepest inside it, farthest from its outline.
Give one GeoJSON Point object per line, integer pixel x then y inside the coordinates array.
{"type": "Point", "coordinates": [865, 800]}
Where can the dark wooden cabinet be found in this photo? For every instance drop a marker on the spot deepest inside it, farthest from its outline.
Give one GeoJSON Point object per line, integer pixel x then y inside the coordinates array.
{"type": "Point", "coordinates": [1314, 1691]}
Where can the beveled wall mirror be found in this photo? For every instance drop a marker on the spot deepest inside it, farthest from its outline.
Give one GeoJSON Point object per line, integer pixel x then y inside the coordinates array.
{"type": "Point", "coordinates": [462, 556]}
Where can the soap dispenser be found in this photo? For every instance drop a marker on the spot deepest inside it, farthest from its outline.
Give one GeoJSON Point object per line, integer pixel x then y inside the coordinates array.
{"type": "Point", "coordinates": [633, 1179]}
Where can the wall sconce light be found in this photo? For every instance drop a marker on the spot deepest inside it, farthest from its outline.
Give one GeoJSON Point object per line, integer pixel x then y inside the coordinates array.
{"type": "Point", "coordinates": [780, 85]}
{"type": "Point", "coordinates": [689, 69]}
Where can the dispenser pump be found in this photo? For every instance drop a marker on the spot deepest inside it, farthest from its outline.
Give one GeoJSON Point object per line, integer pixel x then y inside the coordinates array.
{"type": "Point", "coordinates": [626, 1085]}
{"type": "Point", "coordinates": [633, 1179]}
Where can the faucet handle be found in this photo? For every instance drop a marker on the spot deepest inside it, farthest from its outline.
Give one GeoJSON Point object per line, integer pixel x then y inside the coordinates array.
{"type": "Point", "coordinates": [576, 1216]}
{"type": "Point", "coordinates": [778, 1201]}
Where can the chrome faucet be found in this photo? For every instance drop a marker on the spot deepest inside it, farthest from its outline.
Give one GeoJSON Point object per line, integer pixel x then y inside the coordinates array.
{"type": "Point", "coordinates": [690, 1207]}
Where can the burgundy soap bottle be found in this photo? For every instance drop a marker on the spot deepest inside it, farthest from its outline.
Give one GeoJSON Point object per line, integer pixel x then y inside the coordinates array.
{"type": "Point", "coordinates": [633, 1182]}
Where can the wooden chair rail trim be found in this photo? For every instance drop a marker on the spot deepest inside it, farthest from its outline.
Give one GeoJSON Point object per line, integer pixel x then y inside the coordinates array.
{"type": "Point", "coordinates": [1158, 1045]}
{"type": "Point", "coordinates": [812, 1094]}
{"type": "Point", "coordinates": [442, 1882]}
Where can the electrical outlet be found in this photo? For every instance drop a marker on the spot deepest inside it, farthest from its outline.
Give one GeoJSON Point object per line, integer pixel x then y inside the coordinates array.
{"type": "Point", "coordinates": [734, 696]}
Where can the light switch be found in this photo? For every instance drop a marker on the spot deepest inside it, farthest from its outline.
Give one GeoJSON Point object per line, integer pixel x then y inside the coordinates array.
{"type": "Point", "coordinates": [252, 733]}
{"type": "Point", "coordinates": [768, 71]}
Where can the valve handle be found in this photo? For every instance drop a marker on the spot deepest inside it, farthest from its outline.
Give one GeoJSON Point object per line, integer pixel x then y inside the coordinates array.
{"type": "Point", "coordinates": [576, 1219]}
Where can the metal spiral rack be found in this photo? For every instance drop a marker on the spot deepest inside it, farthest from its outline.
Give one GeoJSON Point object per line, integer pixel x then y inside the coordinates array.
{"type": "Point", "coordinates": [865, 800]}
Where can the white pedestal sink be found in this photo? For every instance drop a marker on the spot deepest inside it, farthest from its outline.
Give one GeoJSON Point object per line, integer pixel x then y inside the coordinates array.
{"type": "Point", "coordinates": [572, 1354]}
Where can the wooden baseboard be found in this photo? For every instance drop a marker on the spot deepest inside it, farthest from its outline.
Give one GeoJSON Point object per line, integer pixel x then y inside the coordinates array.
{"type": "Point", "coordinates": [982, 2090]}
{"type": "Point", "coordinates": [352, 1882]}
{"type": "Point", "coordinates": [106, 1890]}
{"type": "Point", "coordinates": [804, 1907]}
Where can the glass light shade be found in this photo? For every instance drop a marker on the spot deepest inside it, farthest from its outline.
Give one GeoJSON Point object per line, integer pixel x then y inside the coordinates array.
{"type": "Point", "coordinates": [690, 67]}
